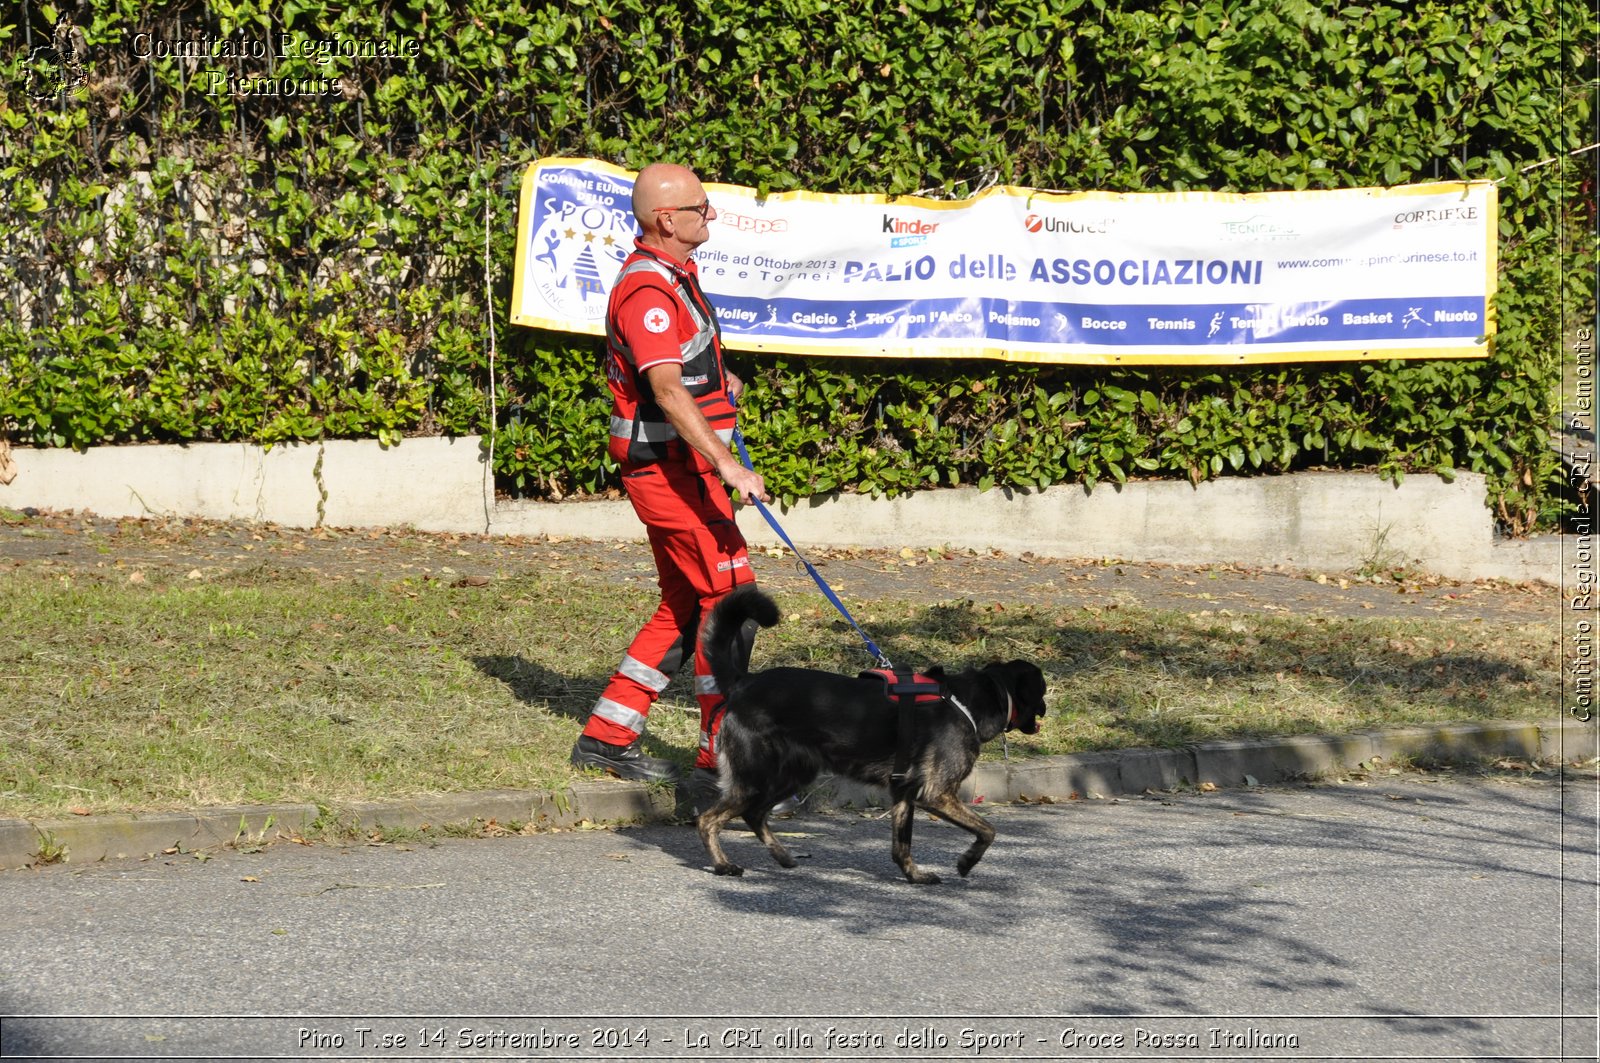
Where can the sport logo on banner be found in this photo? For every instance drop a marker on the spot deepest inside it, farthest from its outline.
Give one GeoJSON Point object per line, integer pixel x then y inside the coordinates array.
{"type": "Point", "coordinates": [583, 230]}
{"type": "Point", "coordinates": [1089, 277]}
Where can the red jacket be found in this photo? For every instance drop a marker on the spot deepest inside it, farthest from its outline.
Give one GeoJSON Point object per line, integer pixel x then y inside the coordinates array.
{"type": "Point", "coordinates": [657, 314]}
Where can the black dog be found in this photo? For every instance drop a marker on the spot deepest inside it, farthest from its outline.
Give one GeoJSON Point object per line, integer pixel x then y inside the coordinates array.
{"type": "Point", "coordinates": [785, 725]}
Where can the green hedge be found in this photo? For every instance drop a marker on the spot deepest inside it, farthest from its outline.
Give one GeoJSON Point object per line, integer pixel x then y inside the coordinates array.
{"type": "Point", "coordinates": [314, 266]}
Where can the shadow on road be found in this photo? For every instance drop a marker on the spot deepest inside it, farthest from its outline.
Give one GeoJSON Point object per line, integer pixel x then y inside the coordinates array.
{"type": "Point", "coordinates": [1156, 891]}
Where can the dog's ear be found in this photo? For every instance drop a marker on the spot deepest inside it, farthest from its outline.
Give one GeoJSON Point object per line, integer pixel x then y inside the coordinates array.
{"type": "Point", "coordinates": [1025, 670]}
{"type": "Point", "coordinates": [935, 671]}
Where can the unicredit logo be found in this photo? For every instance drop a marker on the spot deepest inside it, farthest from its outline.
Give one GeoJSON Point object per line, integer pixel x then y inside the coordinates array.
{"type": "Point", "coordinates": [1036, 223]}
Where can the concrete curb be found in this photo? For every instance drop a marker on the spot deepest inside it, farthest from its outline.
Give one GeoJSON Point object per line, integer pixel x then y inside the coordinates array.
{"type": "Point", "coordinates": [92, 839]}
{"type": "Point", "coordinates": [1236, 763]}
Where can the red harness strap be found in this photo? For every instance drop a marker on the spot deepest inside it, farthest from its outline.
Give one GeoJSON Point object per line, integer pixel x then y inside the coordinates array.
{"type": "Point", "coordinates": [899, 682]}
{"type": "Point", "coordinates": [907, 689]}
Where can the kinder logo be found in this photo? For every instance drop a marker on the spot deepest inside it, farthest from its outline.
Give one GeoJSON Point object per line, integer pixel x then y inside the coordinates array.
{"type": "Point", "coordinates": [909, 227]}
{"type": "Point", "coordinates": [746, 224]}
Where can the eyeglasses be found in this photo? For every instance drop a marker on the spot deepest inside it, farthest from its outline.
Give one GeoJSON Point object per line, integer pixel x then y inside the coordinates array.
{"type": "Point", "coordinates": [702, 209]}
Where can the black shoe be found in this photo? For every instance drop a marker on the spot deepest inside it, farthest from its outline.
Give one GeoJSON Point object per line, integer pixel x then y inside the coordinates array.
{"type": "Point", "coordinates": [704, 789]}
{"type": "Point", "coordinates": [625, 762]}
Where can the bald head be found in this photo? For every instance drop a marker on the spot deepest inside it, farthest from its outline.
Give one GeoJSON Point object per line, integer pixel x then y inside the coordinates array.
{"type": "Point", "coordinates": [664, 194]}
{"type": "Point", "coordinates": [663, 184]}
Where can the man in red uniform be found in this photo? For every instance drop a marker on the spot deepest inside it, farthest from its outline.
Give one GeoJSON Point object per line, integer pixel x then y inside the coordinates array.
{"type": "Point", "coordinates": [671, 419]}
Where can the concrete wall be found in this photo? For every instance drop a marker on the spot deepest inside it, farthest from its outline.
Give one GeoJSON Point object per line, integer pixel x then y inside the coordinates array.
{"type": "Point", "coordinates": [1325, 521]}
{"type": "Point", "coordinates": [432, 484]}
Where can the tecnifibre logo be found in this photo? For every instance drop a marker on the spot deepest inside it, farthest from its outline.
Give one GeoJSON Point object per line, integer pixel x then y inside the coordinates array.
{"type": "Point", "coordinates": [57, 67]}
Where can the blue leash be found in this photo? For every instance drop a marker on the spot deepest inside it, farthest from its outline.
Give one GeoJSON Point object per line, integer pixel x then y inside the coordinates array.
{"type": "Point", "coordinates": [872, 647]}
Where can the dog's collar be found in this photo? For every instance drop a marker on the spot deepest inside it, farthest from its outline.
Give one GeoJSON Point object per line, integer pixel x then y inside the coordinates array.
{"type": "Point", "coordinates": [1011, 705]}
{"type": "Point", "coordinates": [952, 699]}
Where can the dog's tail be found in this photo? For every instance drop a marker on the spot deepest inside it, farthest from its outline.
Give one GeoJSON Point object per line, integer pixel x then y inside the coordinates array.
{"type": "Point", "coordinates": [730, 632]}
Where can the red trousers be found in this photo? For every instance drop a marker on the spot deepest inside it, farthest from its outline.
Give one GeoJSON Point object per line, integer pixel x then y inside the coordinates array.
{"type": "Point", "coordinates": [700, 556]}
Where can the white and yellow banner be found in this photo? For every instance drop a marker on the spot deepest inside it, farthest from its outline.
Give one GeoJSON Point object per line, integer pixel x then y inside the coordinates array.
{"type": "Point", "coordinates": [1197, 278]}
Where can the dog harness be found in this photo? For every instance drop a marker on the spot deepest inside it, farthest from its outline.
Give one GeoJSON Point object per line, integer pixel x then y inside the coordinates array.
{"type": "Point", "coordinates": [909, 689]}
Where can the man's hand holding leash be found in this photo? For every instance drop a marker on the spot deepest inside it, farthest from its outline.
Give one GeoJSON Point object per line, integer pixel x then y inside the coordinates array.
{"type": "Point", "coordinates": [749, 485]}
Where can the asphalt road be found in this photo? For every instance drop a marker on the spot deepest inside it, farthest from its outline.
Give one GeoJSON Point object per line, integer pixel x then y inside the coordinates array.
{"type": "Point", "coordinates": [1420, 917]}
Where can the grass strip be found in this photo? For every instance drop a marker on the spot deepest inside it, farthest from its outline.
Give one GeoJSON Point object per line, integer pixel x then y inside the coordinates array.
{"type": "Point", "coordinates": [157, 691]}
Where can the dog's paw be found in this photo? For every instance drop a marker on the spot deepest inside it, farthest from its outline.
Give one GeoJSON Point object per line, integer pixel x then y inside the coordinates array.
{"type": "Point", "coordinates": [924, 878]}
{"type": "Point", "coordinates": [964, 866]}
{"type": "Point", "coordinates": [728, 869]}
